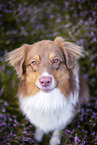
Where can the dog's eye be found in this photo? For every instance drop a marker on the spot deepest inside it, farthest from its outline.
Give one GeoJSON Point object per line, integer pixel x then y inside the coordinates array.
{"type": "Point", "coordinates": [34, 62]}
{"type": "Point", "coordinates": [55, 60]}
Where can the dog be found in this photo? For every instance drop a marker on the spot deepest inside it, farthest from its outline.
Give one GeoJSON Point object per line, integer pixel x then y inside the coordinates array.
{"type": "Point", "coordinates": [51, 87]}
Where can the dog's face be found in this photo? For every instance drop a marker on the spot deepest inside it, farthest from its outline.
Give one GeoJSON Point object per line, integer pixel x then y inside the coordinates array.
{"type": "Point", "coordinates": [45, 65]}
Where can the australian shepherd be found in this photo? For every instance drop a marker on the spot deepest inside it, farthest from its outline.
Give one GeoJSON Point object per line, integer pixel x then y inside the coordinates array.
{"type": "Point", "coordinates": [51, 87]}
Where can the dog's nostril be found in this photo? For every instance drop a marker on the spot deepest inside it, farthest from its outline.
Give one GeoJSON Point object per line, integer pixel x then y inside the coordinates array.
{"type": "Point", "coordinates": [45, 81]}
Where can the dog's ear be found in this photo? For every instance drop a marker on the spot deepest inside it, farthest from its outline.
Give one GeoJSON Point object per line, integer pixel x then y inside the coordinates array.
{"type": "Point", "coordinates": [72, 51]}
{"type": "Point", "coordinates": [16, 58]}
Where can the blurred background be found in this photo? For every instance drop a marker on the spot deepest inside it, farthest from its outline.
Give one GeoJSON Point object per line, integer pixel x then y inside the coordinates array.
{"type": "Point", "coordinates": [31, 21]}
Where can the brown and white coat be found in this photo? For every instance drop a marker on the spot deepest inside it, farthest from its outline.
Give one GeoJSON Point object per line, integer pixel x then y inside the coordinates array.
{"type": "Point", "coordinates": [51, 86]}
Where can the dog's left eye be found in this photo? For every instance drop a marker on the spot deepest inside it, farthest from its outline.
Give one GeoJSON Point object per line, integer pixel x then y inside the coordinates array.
{"type": "Point", "coordinates": [34, 62]}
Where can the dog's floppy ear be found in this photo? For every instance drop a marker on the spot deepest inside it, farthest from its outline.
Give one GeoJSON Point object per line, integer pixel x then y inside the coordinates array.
{"type": "Point", "coordinates": [72, 51]}
{"type": "Point", "coordinates": [16, 58]}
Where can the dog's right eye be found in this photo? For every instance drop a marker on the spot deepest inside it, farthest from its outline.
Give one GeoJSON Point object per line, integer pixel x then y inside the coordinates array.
{"type": "Point", "coordinates": [55, 60]}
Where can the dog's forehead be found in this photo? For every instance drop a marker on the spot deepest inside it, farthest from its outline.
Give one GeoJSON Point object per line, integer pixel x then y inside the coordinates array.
{"type": "Point", "coordinates": [44, 49]}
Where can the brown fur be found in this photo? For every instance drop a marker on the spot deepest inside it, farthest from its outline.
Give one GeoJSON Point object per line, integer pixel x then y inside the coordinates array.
{"type": "Point", "coordinates": [31, 60]}
{"type": "Point", "coordinates": [72, 52]}
{"type": "Point", "coordinates": [27, 86]}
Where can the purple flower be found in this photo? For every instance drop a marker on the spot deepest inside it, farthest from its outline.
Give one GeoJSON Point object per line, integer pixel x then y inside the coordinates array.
{"type": "Point", "coordinates": [75, 140]}
{"type": "Point", "coordinates": [58, 20]}
{"type": "Point", "coordinates": [51, 16]}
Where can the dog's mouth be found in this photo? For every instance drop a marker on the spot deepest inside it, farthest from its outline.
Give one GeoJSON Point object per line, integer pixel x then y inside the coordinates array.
{"type": "Point", "coordinates": [46, 89]}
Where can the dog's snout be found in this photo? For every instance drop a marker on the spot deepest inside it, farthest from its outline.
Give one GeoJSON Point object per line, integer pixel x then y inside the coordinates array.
{"type": "Point", "coordinates": [45, 81]}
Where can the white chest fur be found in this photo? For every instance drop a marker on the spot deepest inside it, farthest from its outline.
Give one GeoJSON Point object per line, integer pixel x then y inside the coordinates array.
{"type": "Point", "coordinates": [49, 111]}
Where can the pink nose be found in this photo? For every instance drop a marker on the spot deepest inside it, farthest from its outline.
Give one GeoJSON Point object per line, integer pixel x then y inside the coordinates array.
{"type": "Point", "coordinates": [45, 81]}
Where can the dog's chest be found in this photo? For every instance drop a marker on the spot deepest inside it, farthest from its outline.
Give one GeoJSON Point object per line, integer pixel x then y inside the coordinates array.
{"type": "Point", "coordinates": [48, 111]}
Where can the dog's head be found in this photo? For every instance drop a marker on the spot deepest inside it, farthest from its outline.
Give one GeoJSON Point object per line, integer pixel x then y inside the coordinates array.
{"type": "Point", "coordinates": [45, 65]}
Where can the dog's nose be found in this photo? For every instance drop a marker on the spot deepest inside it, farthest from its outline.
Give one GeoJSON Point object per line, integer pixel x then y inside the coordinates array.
{"type": "Point", "coordinates": [45, 81]}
